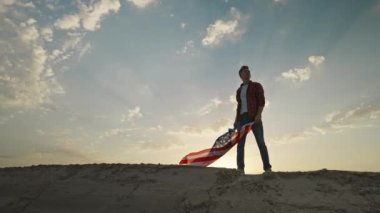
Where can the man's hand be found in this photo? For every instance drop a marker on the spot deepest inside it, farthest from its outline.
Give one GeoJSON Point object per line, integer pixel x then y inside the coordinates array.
{"type": "Point", "coordinates": [258, 115]}
{"type": "Point", "coordinates": [236, 125]}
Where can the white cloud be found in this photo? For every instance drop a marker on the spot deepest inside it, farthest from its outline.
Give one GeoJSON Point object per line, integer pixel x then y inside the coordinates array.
{"type": "Point", "coordinates": [316, 60]}
{"type": "Point", "coordinates": [331, 117]}
{"type": "Point", "coordinates": [23, 82]}
{"type": "Point", "coordinates": [85, 49]}
{"type": "Point", "coordinates": [47, 34]}
{"type": "Point", "coordinates": [28, 32]}
{"type": "Point", "coordinates": [210, 106]}
{"type": "Point", "coordinates": [16, 3]}
{"type": "Point", "coordinates": [52, 4]}
{"type": "Point", "coordinates": [297, 74]}
{"type": "Point", "coordinates": [319, 130]}
{"type": "Point", "coordinates": [132, 114]}
{"type": "Point", "coordinates": [188, 48]}
{"type": "Point", "coordinates": [40, 132]}
{"type": "Point", "coordinates": [183, 25]}
{"type": "Point", "coordinates": [353, 118]}
{"type": "Point", "coordinates": [6, 118]}
{"type": "Point", "coordinates": [91, 15]}
{"type": "Point", "coordinates": [8, 2]}
{"type": "Point", "coordinates": [222, 124]}
{"type": "Point", "coordinates": [68, 22]}
{"type": "Point", "coordinates": [302, 74]}
{"type": "Point", "coordinates": [209, 130]}
{"type": "Point", "coordinates": [290, 138]}
{"type": "Point", "coordinates": [358, 117]}
{"type": "Point", "coordinates": [26, 4]}
{"type": "Point", "coordinates": [28, 65]}
{"type": "Point", "coordinates": [156, 128]}
{"type": "Point", "coordinates": [72, 43]}
{"type": "Point", "coordinates": [277, 2]}
{"type": "Point", "coordinates": [223, 30]}
{"type": "Point", "coordinates": [141, 4]}
{"type": "Point", "coordinates": [219, 31]}
{"type": "Point", "coordinates": [116, 132]}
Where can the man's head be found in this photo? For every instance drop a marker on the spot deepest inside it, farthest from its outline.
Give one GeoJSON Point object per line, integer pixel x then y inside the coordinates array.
{"type": "Point", "coordinates": [244, 73]}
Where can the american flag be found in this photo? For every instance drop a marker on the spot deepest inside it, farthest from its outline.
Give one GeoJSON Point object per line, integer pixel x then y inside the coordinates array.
{"type": "Point", "coordinates": [221, 146]}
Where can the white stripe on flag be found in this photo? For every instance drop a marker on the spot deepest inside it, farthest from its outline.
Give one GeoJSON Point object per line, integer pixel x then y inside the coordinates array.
{"type": "Point", "coordinates": [206, 154]}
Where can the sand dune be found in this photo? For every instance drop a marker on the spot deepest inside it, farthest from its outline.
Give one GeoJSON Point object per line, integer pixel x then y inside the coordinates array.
{"type": "Point", "coordinates": [157, 188]}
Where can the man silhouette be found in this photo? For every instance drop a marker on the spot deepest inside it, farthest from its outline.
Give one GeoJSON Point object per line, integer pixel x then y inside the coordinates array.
{"type": "Point", "coordinates": [250, 104]}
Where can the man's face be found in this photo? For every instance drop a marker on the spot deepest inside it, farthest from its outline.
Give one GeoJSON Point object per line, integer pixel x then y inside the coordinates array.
{"type": "Point", "coordinates": [245, 75]}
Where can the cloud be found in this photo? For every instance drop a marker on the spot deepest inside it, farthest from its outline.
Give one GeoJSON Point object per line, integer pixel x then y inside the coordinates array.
{"type": "Point", "coordinates": [72, 44]}
{"type": "Point", "coordinates": [290, 138]}
{"type": "Point", "coordinates": [278, 2]}
{"type": "Point", "coordinates": [85, 49]}
{"type": "Point", "coordinates": [89, 16]}
{"type": "Point", "coordinates": [353, 118]}
{"type": "Point", "coordinates": [40, 132]}
{"type": "Point", "coordinates": [302, 74]}
{"type": "Point", "coordinates": [222, 30]}
{"type": "Point", "coordinates": [316, 60]}
{"type": "Point", "coordinates": [5, 119]}
{"type": "Point", "coordinates": [132, 114]}
{"type": "Point", "coordinates": [141, 4]}
{"type": "Point", "coordinates": [144, 139]}
{"type": "Point", "coordinates": [297, 74]}
{"type": "Point", "coordinates": [188, 48]}
{"type": "Point", "coordinates": [17, 3]}
{"type": "Point", "coordinates": [183, 25]}
{"type": "Point", "coordinates": [358, 117]}
{"type": "Point", "coordinates": [116, 132]}
{"type": "Point", "coordinates": [208, 130]}
{"type": "Point", "coordinates": [66, 149]}
{"type": "Point", "coordinates": [24, 64]}
{"type": "Point", "coordinates": [68, 22]}
{"type": "Point", "coordinates": [30, 59]}
{"type": "Point", "coordinates": [159, 144]}
{"type": "Point", "coordinates": [221, 124]}
{"type": "Point", "coordinates": [206, 109]}
{"type": "Point", "coordinates": [47, 34]}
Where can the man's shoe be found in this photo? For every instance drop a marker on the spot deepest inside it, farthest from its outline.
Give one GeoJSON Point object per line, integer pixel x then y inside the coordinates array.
{"type": "Point", "coordinates": [268, 170]}
{"type": "Point", "coordinates": [241, 171]}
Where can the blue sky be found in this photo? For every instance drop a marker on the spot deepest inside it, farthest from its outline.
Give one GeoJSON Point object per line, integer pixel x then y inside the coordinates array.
{"type": "Point", "coordinates": [148, 81]}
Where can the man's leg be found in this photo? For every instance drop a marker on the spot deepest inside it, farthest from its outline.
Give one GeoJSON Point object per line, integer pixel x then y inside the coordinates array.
{"type": "Point", "coordinates": [240, 154]}
{"type": "Point", "coordinates": [244, 119]}
{"type": "Point", "coordinates": [258, 132]}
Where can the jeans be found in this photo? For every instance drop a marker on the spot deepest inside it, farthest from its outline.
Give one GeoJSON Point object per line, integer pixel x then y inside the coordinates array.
{"type": "Point", "coordinates": [258, 132]}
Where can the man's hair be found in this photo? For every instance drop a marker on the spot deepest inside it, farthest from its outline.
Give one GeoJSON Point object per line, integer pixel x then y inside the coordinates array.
{"type": "Point", "coordinates": [244, 67]}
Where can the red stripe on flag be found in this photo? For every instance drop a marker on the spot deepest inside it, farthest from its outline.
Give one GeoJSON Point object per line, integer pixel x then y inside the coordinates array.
{"type": "Point", "coordinates": [208, 158]}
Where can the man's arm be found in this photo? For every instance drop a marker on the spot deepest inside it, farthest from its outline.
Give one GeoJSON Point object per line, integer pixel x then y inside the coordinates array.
{"type": "Point", "coordinates": [261, 100]}
{"type": "Point", "coordinates": [237, 110]}
{"type": "Point", "coordinates": [258, 115]}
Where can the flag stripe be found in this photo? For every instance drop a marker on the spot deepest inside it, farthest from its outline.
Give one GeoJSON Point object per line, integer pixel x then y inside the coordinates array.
{"type": "Point", "coordinates": [207, 156]}
{"type": "Point", "coordinates": [210, 153]}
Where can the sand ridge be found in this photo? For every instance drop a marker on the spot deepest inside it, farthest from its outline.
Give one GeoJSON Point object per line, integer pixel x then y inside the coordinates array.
{"type": "Point", "coordinates": [172, 188]}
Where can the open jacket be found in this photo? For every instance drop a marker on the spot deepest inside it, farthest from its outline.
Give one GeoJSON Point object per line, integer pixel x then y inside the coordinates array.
{"type": "Point", "coordinates": [255, 99]}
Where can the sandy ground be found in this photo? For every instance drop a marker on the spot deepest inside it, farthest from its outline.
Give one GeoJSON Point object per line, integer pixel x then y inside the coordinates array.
{"type": "Point", "coordinates": [157, 188]}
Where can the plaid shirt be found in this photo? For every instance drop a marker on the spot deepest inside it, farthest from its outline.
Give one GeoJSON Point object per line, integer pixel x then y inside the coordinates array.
{"type": "Point", "coordinates": [255, 99]}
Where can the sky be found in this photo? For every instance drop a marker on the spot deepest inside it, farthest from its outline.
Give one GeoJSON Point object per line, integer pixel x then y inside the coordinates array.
{"type": "Point", "coordinates": [148, 81]}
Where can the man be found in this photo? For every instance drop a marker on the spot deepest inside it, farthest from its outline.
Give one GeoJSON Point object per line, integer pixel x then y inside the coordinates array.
{"type": "Point", "coordinates": [251, 102]}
